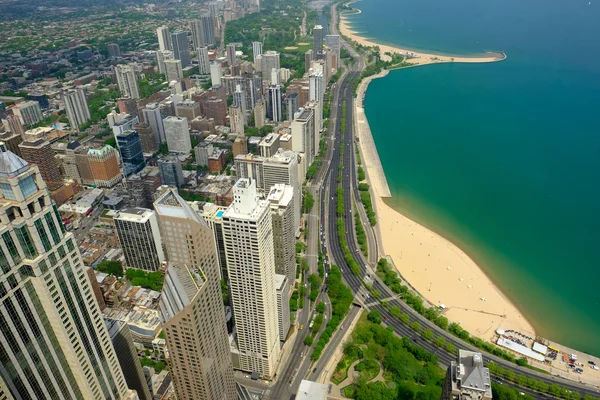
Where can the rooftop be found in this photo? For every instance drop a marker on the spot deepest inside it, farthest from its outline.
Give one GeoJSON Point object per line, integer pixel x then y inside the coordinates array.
{"type": "Point", "coordinates": [10, 163]}
{"type": "Point", "coordinates": [471, 374]}
{"type": "Point", "coordinates": [135, 214]}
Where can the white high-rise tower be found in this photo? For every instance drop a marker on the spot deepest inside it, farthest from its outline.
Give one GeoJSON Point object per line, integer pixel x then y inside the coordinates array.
{"type": "Point", "coordinates": [248, 237]}
{"type": "Point", "coordinates": [77, 107]}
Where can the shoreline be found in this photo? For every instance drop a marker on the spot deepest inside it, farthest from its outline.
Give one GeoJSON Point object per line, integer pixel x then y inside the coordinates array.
{"type": "Point", "coordinates": [436, 268]}
{"type": "Point", "coordinates": [413, 57]}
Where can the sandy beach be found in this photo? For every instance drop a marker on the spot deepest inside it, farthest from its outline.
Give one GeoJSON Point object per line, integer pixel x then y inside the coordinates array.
{"type": "Point", "coordinates": [416, 58]}
{"type": "Point", "coordinates": [436, 268]}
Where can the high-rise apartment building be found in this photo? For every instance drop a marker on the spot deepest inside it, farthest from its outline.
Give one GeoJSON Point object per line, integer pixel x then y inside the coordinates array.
{"type": "Point", "coordinates": [154, 119]}
{"type": "Point", "coordinates": [316, 107]}
{"type": "Point", "coordinates": [269, 145]}
{"type": "Point", "coordinates": [140, 240]}
{"type": "Point", "coordinates": [467, 378]}
{"type": "Point", "coordinates": [281, 199]}
{"type": "Point", "coordinates": [173, 70]}
{"type": "Point", "coordinates": [282, 287]}
{"type": "Point", "coordinates": [236, 119]}
{"type": "Point", "coordinates": [317, 40]}
{"type": "Point", "coordinates": [333, 42]}
{"type": "Point", "coordinates": [104, 166]}
{"type": "Point", "coordinates": [303, 132]}
{"type": "Point", "coordinates": [77, 107]}
{"type": "Point", "coordinates": [208, 30]}
{"type": "Point", "coordinates": [213, 215]}
{"type": "Point", "coordinates": [40, 153]}
{"type": "Point", "coordinates": [248, 236]}
{"type": "Point", "coordinates": [292, 104]}
{"type": "Point", "coordinates": [282, 167]}
{"type": "Point", "coordinates": [274, 112]}
{"type": "Point", "coordinates": [171, 172]}
{"type": "Point", "coordinates": [128, 106]}
{"type": "Point", "coordinates": [132, 155]}
{"type": "Point", "coordinates": [54, 342]}
{"type": "Point", "coordinates": [29, 112]}
{"type": "Point", "coordinates": [191, 305]}
{"type": "Point", "coordinates": [257, 49]}
{"type": "Point", "coordinates": [197, 34]}
{"type": "Point", "coordinates": [250, 166]}
{"type": "Point", "coordinates": [180, 44]}
{"type": "Point", "coordinates": [113, 49]}
{"type": "Point", "coordinates": [260, 113]}
{"type": "Point", "coordinates": [147, 138]}
{"type": "Point", "coordinates": [129, 361]}
{"type": "Point", "coordinates": [14, 124]}
{"type": "Point", "coordinates": [230, 52]}
{"type": "Point", "coordinates": [177, 133]}
{"type": "Point", "coordinates": [309, 56]}
{"type": "Point", "coordinates": [161, 57]}
{"type": "Point", "coordinates": [127, 82]}
{"type": "Point", "coordinates": [316, 94]}
{"type": "Point", "coordinates": [203, 62]}
{"type": "Point", "coordinates": [239, 99]}
{"type": "Point", "coordinates": [164, 39]}
{"type": "Point", "coordinates": [216, 72]}
{"type": "Point", "coordinates": [269, 60]}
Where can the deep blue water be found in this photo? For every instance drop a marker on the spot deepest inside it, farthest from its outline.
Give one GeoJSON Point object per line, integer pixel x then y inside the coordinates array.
{"type": "Point", "coordinates": [501, 158]}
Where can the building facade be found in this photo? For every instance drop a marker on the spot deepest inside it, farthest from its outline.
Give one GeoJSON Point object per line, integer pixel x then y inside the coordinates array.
{"type": "Point", "coordinates": [104, 166]}
{"type": "Point", "coordinates": [140, 239]}
{"type": "Point", "coordinates": [127, 82]}
{"type": "Point", "coordinates": [76, 106]}
{"type": "Point", "coordinates": [132, 155]}
{"type": "Point", "coordinates": [248, 237]}
{"type": "Point", "coordinates": [281, 199]}
{"type": "Point", "coordinates": [53, 341]}
{"type": "Point", "coordinates": [191, 305]}
{"type": "Point", "coordinates": [177, 133]}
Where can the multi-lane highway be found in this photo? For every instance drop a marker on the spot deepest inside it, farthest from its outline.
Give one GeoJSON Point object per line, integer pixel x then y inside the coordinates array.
{"type": "Point", "coordinates": [346, 161]}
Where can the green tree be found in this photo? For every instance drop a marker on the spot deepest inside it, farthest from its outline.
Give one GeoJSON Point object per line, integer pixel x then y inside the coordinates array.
{"type": "Point", "coordinates": [111, 267]}
{"type": "Point", "coordinates": [416, 326]}
{"type": "Point", "coordinates": [374, 317]}
{"type": "Point", "coordinates": [404, 318]}
{"type": "Point", "coordinates": [428, 334]}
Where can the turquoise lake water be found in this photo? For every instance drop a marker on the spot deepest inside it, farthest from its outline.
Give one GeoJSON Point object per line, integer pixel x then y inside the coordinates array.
{"type": "Point", "coordinates": [501, 158]}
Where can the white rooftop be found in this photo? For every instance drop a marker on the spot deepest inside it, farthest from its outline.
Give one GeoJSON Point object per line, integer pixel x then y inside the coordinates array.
{"type": "Point", "coordinates": [309, 390]}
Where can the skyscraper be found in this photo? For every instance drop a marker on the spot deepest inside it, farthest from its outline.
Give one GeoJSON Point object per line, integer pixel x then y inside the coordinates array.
{"type": "Point", "coordinates": [248, 237]}
{"type": "Point", "coordinates": [139, 236]}
{"type": "Point", "coordinates": [161, 56]}
{"type": "Point", "coordinates": [239, 99]}
{"type": "Point", "coordinates": [164, 39]}
{"type": "Point", "coordinates": [103, 165]}
{"type": "Point", "coordinates": [281, 199]}
{"type": "Point", "coordinates": [197, 34]}
{"type": "Point", "coordinates": [130, 148]}
{"type": "Point", "coordinates": [15, 125]}
{"type": "Point", "coordinates": [171, 173]}
{"type": "Point", "coordinates": [282, 167]}
{"type": "Point", "coordinates": [113, 50]}
{"type": "Point", "coordinates": [317, 40]}
{"type": "Point", "coordinates": [333, 42]}
{"type": "Point", "coordinates": [231, 57]}
{"type": "Point", "coordinates": [260, 113]}
{"type": "Point", "coordinates": [236, 119]}
{"type": "Point", "coordinates": [177, 133]}
{"type": "Point", "coordinates": [40, 152]}
{"type": "Point", "coordinates": [29, 112]}
{"type": "Point", "coordinates": [269, 60]}
{"type": "Point", "coordinates": [203, 62]}
{"type": "Point", "coordinates": [208, 30]}
{"type": "Point", "coordinates": [274, 111]}
{"type": "Point", "coordinates": [77, 107]}
{"type": "Point", "coordinates": [173, 70]}
{"type": "Point", "coordinates": [291, 105]}
{"type": "Point", "coordinates": [54, 342]}
{"type": "Point", "coordinates": [257, 48]}
{"type": "Point", "coordinates": [191, 306]}
{"type": "Point", "coordinates": [250, 166]}
{"type": "Point", "coordinates": [181, 52]}
{"type": "Point", "coordinates": [215, 73]}
{"type": "Point", "coordinates": [308, 59]}
{"type": "Point", "coordinates": [127, 355]}
{"type": "Point", "coordinates": [303, 132]}
{"type": "Point", "coordinates": [155, 121]}
{"type": "Point", "coordinates": [127, 82]}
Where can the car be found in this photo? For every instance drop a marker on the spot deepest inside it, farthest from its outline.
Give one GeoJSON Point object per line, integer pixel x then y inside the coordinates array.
{"type": "Point", "coordinates": [301, 327]}
{"type": "Point", "coordinates": [522, 394]}
{"type": "Point", "coordinates": [591, 362]}
{"type": "Point", "coordinates": [314, 370]}
{"type": "Point", "coordinates": [594, 367]}
{"type": "Point", "coordinates": [301, 355]}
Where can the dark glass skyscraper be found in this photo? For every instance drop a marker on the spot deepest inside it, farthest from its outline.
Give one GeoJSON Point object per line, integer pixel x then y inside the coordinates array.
{"type": "Point", "coordinates": [130, 148]}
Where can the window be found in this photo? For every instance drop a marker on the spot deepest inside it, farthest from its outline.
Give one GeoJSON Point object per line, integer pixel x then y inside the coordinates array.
{"type": "Point", "coordinates": [7, 191]}
{"type": "Point", "coordinates": [52, 227]}
{"type": "Point", "coordinates": [39, 226]}
{"type": "Point", "coordinates": [12, 249]}
{"type": "Point", "coordinates": [26, 242]}
{"type": "Point", "coordinates": [4, 265]}
{"type": "Point", "coordinates": [28, 186]}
